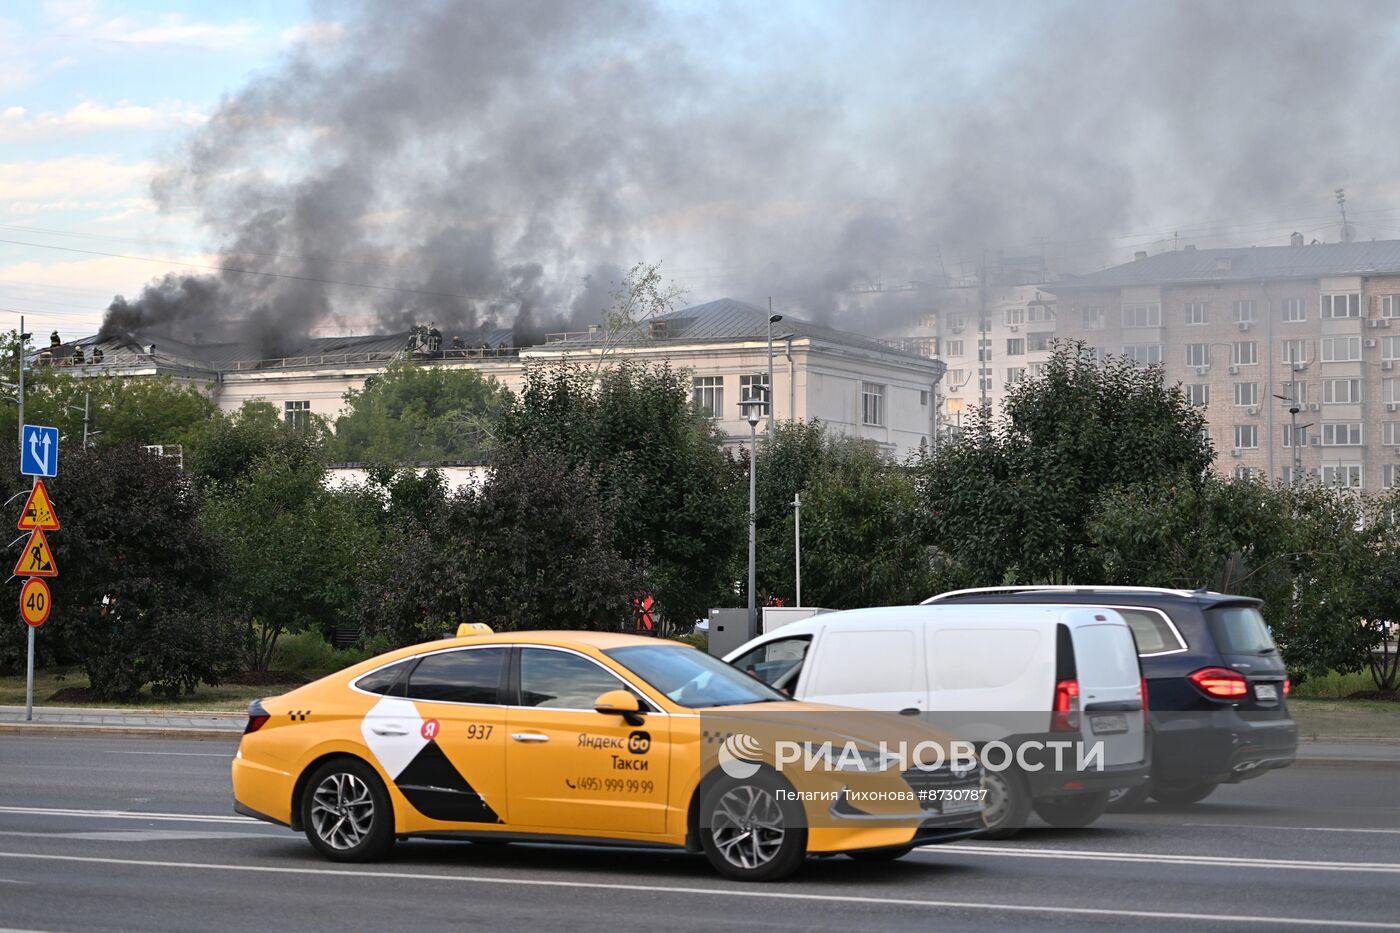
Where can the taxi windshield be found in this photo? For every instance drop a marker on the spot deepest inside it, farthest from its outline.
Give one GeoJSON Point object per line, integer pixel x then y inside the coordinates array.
{"type": "Point", "coordinates": [692, 678]}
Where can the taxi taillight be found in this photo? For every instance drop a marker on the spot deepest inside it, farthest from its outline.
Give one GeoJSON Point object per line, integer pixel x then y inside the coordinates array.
{"type": "Point", "coordinates": [257, 717]}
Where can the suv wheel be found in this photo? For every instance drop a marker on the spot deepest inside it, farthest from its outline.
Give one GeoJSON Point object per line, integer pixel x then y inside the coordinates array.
{"type": "Point", "coordinates": [1181, 794]}
{"type": "Point", "coordinates": [749, 831]}
{"type": "Point", "coordinates": [1007, 805]}
{"type": "Point", "coordinates": [1074, 811]}
{"type": "Point", "coordinates": [346, 813]}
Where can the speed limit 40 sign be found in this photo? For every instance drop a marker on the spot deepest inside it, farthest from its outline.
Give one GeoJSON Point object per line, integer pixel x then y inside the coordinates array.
{"type": "Point", "coordinates": [35, 601]}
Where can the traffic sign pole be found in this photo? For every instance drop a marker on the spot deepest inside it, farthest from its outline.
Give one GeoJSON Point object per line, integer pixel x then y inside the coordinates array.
{"type": "Point", "coordinates": [29, 659]}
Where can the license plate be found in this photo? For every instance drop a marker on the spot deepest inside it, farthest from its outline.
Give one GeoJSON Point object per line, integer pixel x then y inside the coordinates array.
{"type": "Point", "coordinates": [1108, 725]}
{"type": "Point", "coordinates": [1265, 692]}
{"type": "Point", "coordinates": [951, 807]}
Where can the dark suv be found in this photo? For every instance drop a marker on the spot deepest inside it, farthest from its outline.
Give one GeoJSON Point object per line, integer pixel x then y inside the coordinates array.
{"type": "Point", "coordinates": [1217, 689]}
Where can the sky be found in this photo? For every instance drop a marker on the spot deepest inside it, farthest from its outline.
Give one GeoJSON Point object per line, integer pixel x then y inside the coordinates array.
{"type": "Point", "coordinates": [360, 165]}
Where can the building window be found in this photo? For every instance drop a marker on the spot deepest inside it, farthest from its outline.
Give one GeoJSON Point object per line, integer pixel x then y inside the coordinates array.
{"type": "Point", "coordinates": [924, 346]}
{"type": "Point", "coordinates": [955, 348]}
{"type": "Point", "coordinates": [1038, 369]}
{"type": "Point", "coordinates": [1390, 390]}
{"type": "Point", "coordinates": [749, 387]}
{"type": "Point", "coordinates": [1244, 473]}
{"type": "Point", "coordinates": [1092, 355]}
{"type": "Point", "coordinates": [923, 397]}
{"type": "Point", "coordinates": [1015, 315]}
{"type": "Point", "coordinates": [1196, 312]}
{"type": "Point", "coordinates": [1295, 391]}
{"type": "Point", "coordinates": [1390, 306]}
{"type": "Point", "coordinates": [1290, 478]}
{"type": "Point", "coordinates": [1294, 310]}
{"type": "Point", "coordinates": [1341, 434]}
{"type": "Point", "coordinates": [872, 403]}
{"type": "Point", "coordinates": [1016, 346]}
{"type": "Point", "coordinates": [1198, 354]}
{"type": "Point", "coordinates": [957, 378]}
{"type": "Point", "coordinates": [1341, 391]}
{"type": "Point", "coordinates": [709, 395]}
{"type": "Point", "coordinates": [1244, 312]}
{"type": "Point", "coordinates": [1244, 353]}
{"type": "Point", "coordinates": [1037, 342]}
{"type": "Point", "coordinates": [1198, 393]}
{"type": "Point", "coordinates": [1040, 311]}
{"type": "Point", "coordinates": [1015, 374]}
{"type": "Point", "coordinates": [1092, 317]}
{"type": "Point", "coordinates": [1293, 351]}
{"type": "Point", "coordinates": [1340, 349]}
{"type": "Point", "coordinates": [1388, 476]}
{"type": "Point", "coordinates": [956, 322]}
{"type": "Point", "coordinates": [1144, 314]}
{"type": "Point", "coordinates": [1345, 475]}
{"type": "Point", "coordinates": [1144, 354]}
{"type": "Point", "coordinates": [1341, 306]}
{"type": "Point", "coordinates": [297, 414]}
{"type": "Point", "coordinates": [1390, 348]}
{"type": "Point", "coordinates": [1246, 393]}
{"type": "Point", "coordinates": [984, 381]}
{"type": "Point", "coordinates": [1246, 435]}
{"type": "Point", "coordinates": [1292, 435]}
{"type": "Point", "coordinates": [984, 350]}
{"type": "Point", "coordinates": [1390, 431]}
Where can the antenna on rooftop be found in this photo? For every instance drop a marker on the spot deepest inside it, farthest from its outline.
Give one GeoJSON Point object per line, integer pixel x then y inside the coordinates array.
{"type": "Point", "coordinates": [1348, 234]}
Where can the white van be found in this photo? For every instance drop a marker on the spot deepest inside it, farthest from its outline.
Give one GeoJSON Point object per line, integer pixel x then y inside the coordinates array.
{"type": "Point", "coordinates": [1027, 679]}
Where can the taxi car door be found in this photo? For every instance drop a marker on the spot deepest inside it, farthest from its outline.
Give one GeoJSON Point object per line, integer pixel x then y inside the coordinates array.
{"type": "Point", "coordinates": [458, 772]}
{"type": "Point", "coordinates": [571, 767]}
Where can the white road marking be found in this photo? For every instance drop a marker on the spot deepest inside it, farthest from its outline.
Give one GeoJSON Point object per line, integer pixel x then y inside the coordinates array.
{"type": "Point", "coordinates": [283, 870]}
{"type": "Point", "coordinates": [227, 756]}
{"type": "Point", "coordinates": [1164, 858]}
{"type": "Point", "coordinates": [139, 835]}
{"type": "Point", "coordinates": [130, 815]}
{"type": "Point", "coordinates": [1304, 829]}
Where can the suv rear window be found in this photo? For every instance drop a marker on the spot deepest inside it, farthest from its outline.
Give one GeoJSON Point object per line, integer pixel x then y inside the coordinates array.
{"type": "Point", "coordinates": [1151, 631]}
{"type": "Point", "coordinates": [1240, 630]}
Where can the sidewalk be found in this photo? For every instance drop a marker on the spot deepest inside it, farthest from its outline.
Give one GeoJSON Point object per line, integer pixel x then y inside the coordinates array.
{"type": "Point", "coordinates": [83, 720]}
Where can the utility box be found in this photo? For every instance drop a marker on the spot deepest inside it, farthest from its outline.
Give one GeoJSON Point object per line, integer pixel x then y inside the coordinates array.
{"type": "Point", "coordinates": [775, 617]}
{"type": "Point", "coordinates": [729, 628]}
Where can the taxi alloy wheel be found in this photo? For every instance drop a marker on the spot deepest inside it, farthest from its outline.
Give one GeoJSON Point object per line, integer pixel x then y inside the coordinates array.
{"type": "Point", "coordinates": [749, 833]}
{"type": "Point", "coordinates": [346, 812]}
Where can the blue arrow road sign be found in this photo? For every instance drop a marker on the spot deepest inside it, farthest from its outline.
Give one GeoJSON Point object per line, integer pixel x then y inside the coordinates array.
{"type": "Point", "coordinates": [38, 451]}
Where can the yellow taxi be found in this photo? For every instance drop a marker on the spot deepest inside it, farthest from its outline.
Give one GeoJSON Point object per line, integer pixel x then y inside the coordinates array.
{"type": "Point", "coordinates": [589, 737]}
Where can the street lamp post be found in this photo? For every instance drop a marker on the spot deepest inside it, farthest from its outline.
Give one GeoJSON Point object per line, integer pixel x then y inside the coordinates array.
{"type": "Point", "coordinates": [1293, 409]}
{"type": "Point", "coordinates": [797, 543]}
{"type": "Point", "coordinates": [772, 319]}
{"type": "Point", "coordinates": [752, 407]}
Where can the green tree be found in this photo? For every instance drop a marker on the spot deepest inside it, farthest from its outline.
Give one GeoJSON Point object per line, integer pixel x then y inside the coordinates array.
{"type": "Point", "coordinates": [1007, 501]}
{"type": "Point", "coordinates": [231, 446]}
{"type": "Point", "coordinates": [634, 430]}
{"type": "Point", "coordinates": [412, 413]}
{"type": "Point", "coordinates": [148, 410]}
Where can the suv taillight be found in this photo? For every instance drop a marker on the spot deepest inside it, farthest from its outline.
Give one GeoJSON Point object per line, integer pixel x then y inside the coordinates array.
{"type": "Point", "coordinates": [1065, 716]}
{"type": "Point", "coordinates": [1287, 685]}
{"type": "Point", "coordinates": [257, 717]}
{"type": "Point", "coordinates": [1219, 683]}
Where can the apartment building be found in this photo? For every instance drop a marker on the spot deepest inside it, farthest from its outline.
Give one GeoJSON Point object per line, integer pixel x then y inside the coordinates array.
{"type": "Point", "coordinates": [1252, 334]}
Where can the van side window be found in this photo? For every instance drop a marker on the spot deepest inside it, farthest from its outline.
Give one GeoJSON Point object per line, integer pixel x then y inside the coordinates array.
{"type": "Point", "coordinates": [776, 663]}
{"type": "Point", "coordinates": [1151, 631]}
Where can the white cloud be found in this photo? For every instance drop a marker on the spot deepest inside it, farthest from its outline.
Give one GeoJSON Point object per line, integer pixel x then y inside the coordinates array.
{"type": "Point", "coordinates": [84, 20]}
{"type": "Point", "coordinates": [72, 177]}
{"type": "Point", "coordinates": [314, 32]}
{"type": "Point", "coordinates": [17, 125]}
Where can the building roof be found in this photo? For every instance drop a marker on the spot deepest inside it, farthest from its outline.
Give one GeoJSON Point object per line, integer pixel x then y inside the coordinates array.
{"type": "Point", "coordinates": [720, 321]}
{"type": "Point", "coordinates": [1375, 257]}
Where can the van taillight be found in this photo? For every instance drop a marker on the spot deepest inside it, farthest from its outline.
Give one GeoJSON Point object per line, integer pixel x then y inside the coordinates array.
{"type": "Point", "coordinates": [257, 717]}
{"type": "Point", "coordinates": [1066, 708]}
{"type": "Point", "coordinates": [1144, 694]}
{"type": "Point", "coordinates": [1219, 683]}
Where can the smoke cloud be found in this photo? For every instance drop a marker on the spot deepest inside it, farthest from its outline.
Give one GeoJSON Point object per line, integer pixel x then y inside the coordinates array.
{"type": "Point", "coordinates": [500, 162]}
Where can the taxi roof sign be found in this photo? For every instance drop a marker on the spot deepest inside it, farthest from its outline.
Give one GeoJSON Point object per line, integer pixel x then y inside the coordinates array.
{"type": "Point", "coordinates": [468, 629]}
{"type": "Point", "coordinates": [38, 511]}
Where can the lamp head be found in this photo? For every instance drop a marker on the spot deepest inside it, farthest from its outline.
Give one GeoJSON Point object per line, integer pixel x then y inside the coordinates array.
{"type": "Point", "coordinates": [774, 318]}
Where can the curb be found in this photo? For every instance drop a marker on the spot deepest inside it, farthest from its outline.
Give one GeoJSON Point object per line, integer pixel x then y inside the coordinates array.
{"type": "Point", "coordinates": [238, 715]}
{"type": "Point", "coordinates": [151, 732]}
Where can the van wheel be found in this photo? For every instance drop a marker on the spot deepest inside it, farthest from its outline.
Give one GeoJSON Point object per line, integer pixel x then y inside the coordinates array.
{"type": "Point", "coordinates": [1182, 794]}
{"type": "Point", "coordinates": [751, 832]}
{"type": "Point", "coordinates": [1074, 811]}
{"type": "Point", "coordinates": [1128, 799]}
{"type": "Point", "coordinates": [345, 812]}
{"type": "Point", "coordinates": [1007, 805]}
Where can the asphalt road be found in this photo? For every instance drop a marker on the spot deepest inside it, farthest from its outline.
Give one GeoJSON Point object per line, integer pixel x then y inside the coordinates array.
{"type": "Point", "coordinates": [138, 834]}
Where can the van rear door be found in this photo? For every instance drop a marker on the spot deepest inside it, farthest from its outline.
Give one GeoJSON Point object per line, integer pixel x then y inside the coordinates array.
{"type": "Point", "coordinates": [1110, 685]}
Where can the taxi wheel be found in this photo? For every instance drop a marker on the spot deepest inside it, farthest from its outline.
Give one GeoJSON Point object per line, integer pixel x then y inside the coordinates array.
{"type": "Point", "coordinates": [750, 831]}
{"type": "Point", "coordinates": [346, 812]}
{"type": "Point", "coordinates": [1007, 805]}
{"type": "Point", "coordinates": [1181, 794]}
{"type": "Point", "coordinates": [1072, 812]}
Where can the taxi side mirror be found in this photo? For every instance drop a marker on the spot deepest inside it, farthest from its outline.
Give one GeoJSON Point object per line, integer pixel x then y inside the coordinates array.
{"type": "Point", "coordinates": [620, 702]}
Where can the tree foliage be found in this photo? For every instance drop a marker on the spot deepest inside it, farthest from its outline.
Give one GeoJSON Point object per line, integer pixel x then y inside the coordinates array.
{"type": "Point", "coordinates": [231, 446]}
{"type": "Point", "coordinates": [1007, 501]}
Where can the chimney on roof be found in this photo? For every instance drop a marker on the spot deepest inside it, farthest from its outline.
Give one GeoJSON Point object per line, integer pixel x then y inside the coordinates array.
{"type": "Point", "coordinates": [1296, 239]}
{"type": "Point", "coordinates": [1139, 255]}
{"type": "Point", "coordinates": [1223, 263]}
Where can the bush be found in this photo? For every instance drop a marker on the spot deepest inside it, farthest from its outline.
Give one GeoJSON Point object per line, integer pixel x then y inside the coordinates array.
{"type": "Point", "coordinates": [309, 653]}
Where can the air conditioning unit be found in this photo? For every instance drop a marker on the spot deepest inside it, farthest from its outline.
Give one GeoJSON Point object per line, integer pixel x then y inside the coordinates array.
{"type": "Point", "coordinates": [1244, 327]}
{"type": "Point", "coordinates": [1385, 322]}
{"type": "Point", "coordinates": [1391, 406]}
{"type": "Point", "coordinates": [1254, 409]}
{"type": "Point", "coordinates": [1375, 322]}
{"type": "Point", "coordinates": [1013, 327]}
{"type": "Point", "coordinates": [1317, 442]}
{"type": "Point", "coordinates": [1370, 342]}
{"type": "Point", "coordinates": [1396, 451]}
{"type": "Point", "coordinates": [1314, 407]}
{"type": "Point", "coordinates": [1234, 370]}
{"type": "Point", "coordinates": [1387, 364]}
{"type": "Point", "coordinates": [1234, 451]}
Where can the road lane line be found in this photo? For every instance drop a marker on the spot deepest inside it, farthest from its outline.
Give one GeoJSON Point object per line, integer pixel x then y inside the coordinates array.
{"type": "Point", "coordinates": [284, 870]}
{"type": "Point", "coordinates": [1167, 858]}
{"type": "Point", "coordinates": [130, 815]}
{"type": "Point", "coordinates": [226, 756]}
{"type": "Point", "coordinates": [1305, 829]}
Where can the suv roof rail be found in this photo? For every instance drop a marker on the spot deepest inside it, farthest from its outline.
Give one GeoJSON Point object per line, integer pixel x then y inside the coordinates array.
{"type": "Point", "coordinates": [1067, 588]}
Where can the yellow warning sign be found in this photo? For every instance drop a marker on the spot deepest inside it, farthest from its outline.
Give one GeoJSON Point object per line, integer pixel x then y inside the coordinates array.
{"type": "Point", "coordinates": [38, 511]}
{"type": "Point", "coordinates": [37, 560]}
